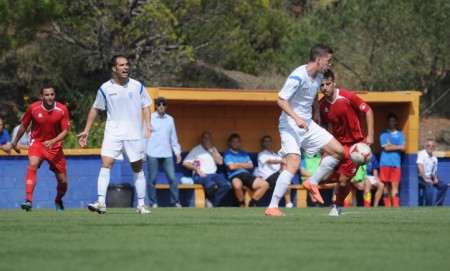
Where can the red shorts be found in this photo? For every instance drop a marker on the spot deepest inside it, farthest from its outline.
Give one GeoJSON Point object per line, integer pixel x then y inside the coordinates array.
{"type": "Point", "coordinates": [345, 167]}
{"type": "Point", "coordinates": [390, 174]}
{"type": "Point", "coordinates": [54, 157]}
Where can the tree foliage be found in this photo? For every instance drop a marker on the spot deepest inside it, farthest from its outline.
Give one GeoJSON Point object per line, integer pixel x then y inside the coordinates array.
{"type": "Point", "coordinates": [379, 45]}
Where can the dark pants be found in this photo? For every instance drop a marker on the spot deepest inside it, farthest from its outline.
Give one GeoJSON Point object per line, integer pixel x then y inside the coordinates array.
{"type": "Point", "coordinates": [209, 182]}
{"type": "Point", "coordinates": [428, 192]}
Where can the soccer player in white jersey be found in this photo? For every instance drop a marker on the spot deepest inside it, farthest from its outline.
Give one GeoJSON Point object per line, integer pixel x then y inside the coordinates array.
{"type": "Point", "coordinates": [299, 129]}
{"type": "Point", "coordinates": [126, 101]}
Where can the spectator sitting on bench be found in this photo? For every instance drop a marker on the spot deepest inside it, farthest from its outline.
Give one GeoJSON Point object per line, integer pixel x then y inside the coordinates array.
{"type": "Point", "coordinates": [269, 167]}
{"type": "Point", "coordinates": [203, 160]}
{"type": "Point", "coordinates": [238, 165]}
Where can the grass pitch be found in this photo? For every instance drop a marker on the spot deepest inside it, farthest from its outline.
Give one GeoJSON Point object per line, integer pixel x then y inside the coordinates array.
{"type": "Point", "coordinates": [226, 239]}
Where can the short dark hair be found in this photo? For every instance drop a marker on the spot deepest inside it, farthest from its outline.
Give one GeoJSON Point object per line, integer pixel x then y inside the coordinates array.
{"type": "Point", "coordinates": [113, 61]}
{"type": "Point", "coordinates": [319, 50]}
{"type": "Point", "coordinates": [233, 136]}
{"type": "Point", "coordinates": [329, 74]}
{"type": "Point", "coordinates": [264, 137]}
{"type": "Point", "coordinates": [47, 84]}
{"type": "Point", "coordinates": [391, 116]}
{"type": "Point", "coordinates": [160, 99]}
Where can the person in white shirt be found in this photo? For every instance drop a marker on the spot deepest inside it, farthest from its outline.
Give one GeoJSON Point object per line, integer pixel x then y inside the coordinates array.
{"type": "Point", "coordinates": [126, 101]}
{"type": "Point", "coordinates": [25, 140]}
{"type": "Point", "coordinates": [203, 160]}
{"type": "Point", "coordinates": [269, 167]}
{"type": "Point", "coordinates": [299, 129]}
{"type": "Point", "coordinates": [160, 146]}
{"type": "Point", "coordinates": [427, 164]}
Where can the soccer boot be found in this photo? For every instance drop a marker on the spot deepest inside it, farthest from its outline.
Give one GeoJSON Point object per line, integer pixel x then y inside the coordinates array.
{"type": "Point", "coordinates": [273, 212]}
{"type": "Point", "coordinates": [313, 190]}
{"type": "Point", "coordinates": [27, 205]}
{"type": "Point", "coordinates": [142, 210]}
{"type": "Point", "coordinates": [97, 207]}
{"type": "Point", "coordinates": [336, 210]}
{"type": "Point", "coordinates": [59, 205]}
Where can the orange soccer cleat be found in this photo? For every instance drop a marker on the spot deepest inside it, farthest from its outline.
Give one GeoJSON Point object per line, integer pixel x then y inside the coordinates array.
{"type": "Point", "coordinates": [314, 190]}
{"type": "Point", "coordinates": [273, 212]}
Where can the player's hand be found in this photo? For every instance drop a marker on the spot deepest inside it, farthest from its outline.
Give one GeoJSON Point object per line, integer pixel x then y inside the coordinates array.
{"type": "Point", "coordinates": [301, 124]}
{"type": "Point", "coordinates": [369, 140]}
{"type": "Point", "coordinates": [15, 148]}
{"type": "Point", "coordinates": [148, 132]}
{"type": "Point", "coordinates": [48, 144]}
{"type": "Point", "coordinates": [83, 138]}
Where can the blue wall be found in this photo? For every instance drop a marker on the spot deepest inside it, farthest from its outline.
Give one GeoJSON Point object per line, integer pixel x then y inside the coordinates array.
{"type": "Point", "coordinates": [82, 172]}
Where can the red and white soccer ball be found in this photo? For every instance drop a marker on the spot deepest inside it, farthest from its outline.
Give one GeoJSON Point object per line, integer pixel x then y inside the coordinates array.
{"type": "Point", "coordinates": [360, 153]}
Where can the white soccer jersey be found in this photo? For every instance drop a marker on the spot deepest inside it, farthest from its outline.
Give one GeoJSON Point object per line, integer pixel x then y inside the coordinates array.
{"type": "Point", "coordinates": [124, 106]}
{"type": "Point", "coordinates": [265, 169]}
{"type": "Point", "coordinates": [300, 91]}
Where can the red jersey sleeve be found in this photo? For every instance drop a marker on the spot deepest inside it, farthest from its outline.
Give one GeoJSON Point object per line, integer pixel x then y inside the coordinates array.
{"type": "Point", "coordinates": [65, 120]}
{"type": "Point", "coordinates": [355, 101]}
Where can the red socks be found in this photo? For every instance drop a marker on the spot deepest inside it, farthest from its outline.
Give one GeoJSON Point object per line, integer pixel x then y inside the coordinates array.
{"type": "Point", "coordinates": [61, 190]}
{"type": "Point", "coordinates": [341, 193]}
{"type": "Point", "coordinates": [30, 182]}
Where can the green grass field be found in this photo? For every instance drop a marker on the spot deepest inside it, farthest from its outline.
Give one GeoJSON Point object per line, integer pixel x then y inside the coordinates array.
{"type": "Point", "coordinates": [226, 239]}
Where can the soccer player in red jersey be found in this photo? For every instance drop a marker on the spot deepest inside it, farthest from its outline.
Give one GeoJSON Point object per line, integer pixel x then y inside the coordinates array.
{"type": "Point", "coordinates": [341, 109]}
{"type": "Point", "coordinates": [50, 124]}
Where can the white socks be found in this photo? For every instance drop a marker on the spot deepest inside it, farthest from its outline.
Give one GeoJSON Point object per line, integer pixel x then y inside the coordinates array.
{"type": "Point", "coordinates": [139, 183]}
{"type": "Point", "coordinates": [283, 182]}
{"type": "Point", "coordinates": [326, 165]}
{"type": "Point", "coordinates": [102, 184]}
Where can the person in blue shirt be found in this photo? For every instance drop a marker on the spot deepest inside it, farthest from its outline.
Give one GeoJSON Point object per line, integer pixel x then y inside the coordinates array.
{"type": "Point", "coordinates": [393, 144]}
{"type": "Point", "coordinates": [160, 146]}
{"type": "Point", "coordinates": [5, 141]}
{"type": "Point", "coordinates": [238, 165]}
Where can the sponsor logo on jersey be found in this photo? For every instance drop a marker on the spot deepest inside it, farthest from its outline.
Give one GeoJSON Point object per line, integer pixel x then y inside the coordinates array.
{"type": "Point", "coordinates": [130, 95]}
{"type": "Point", "coordinates": [112, 94]}
{"type": "Point", "coordinates": [363, 106]}
{"type": "Point", "coordinates": [39, 115]}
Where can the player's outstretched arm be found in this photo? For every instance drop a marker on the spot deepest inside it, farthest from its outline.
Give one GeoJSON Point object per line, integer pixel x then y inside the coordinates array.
{"type": "Point", "coordinates": [83, 136]}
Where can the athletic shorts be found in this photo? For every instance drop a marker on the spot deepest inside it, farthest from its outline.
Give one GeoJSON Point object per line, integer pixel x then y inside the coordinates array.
{"type": "Point", "coordinates": [372, 179]}
{"type": "Point", "coordinates": [115, 148]}
{"type": "Point", "coordinates": [272, 179]}
{"type": "Point", "coordinates": [247, 179]}
{"type": "Point", "coordinates": [293, 138]}
{"type": "Point", "coordinates": [54, 157]}
{"type": "Point", "coordinates": [390, 174]}
{"type": "Point", "coordinates": [345, 166]}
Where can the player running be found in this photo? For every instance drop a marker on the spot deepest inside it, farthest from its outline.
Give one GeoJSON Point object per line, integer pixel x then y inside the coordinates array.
{"type": "Point", "coordinates": [50, 124]}
{"type": "Point", "coordinates": [341, 109]}
{"type": "Point", "coordinates": [298, 130]}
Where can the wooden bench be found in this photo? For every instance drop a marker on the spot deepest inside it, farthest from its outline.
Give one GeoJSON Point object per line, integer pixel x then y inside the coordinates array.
{"type": "Point", "coordinates": [199, 193]}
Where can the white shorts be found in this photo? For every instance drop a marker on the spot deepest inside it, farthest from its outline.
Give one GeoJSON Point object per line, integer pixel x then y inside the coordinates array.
{"type": "Point", "coordinates": [293, 138]}
{"type": "Point", "coordinates": [115, 148]}
{"type": "Point", "coordinates": [372, 179]}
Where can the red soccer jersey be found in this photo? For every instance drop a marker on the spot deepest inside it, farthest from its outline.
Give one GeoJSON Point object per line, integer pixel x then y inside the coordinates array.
{"type": "Point", "coordinates": [46, 124]}
{"type": "Point", "coordinates": [343, 114]}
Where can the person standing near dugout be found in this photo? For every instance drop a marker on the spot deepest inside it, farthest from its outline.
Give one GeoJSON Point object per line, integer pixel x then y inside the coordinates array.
{"type": "Point", "coordinates": [125, 100]}
{"type": "Point", "coordinates": [50, 124]}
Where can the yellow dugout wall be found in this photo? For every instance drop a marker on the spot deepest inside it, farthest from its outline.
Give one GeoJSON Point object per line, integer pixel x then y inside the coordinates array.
{"type": "Point", "coordinates": [254, 113]}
